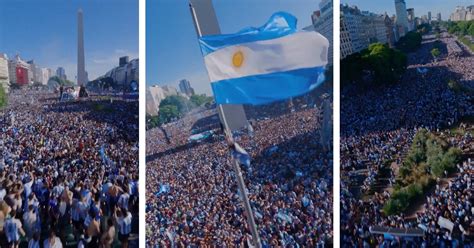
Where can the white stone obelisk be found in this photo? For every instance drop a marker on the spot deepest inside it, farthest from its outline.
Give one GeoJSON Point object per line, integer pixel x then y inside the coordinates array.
{"type": "Point", "coordinates": [81, 70]}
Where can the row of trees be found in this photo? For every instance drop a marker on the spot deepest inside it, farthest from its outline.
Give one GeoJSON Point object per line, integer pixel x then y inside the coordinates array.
{"type": "Point", "coordinates": [3, 97]}
{"type": "Point", "coordinates": [376, 65]}
{"type": "Point", "coordinates": [175, 107]}
{"type": "Point", "coordinates": [461, 28]}
{"type": "Point", "coordinates": [429, 157]}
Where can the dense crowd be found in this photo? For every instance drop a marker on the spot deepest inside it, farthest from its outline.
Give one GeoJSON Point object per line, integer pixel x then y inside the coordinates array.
{"type": "Point", "coordinates": [68, 171]}
{"type": "Point", "coordinates": [377, 129]}
{"type": "Point", "coordinates": [192, 195]}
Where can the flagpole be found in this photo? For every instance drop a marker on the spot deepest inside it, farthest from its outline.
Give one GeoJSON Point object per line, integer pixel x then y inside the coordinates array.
{"type": "Point", "coordinates": [238, 172]}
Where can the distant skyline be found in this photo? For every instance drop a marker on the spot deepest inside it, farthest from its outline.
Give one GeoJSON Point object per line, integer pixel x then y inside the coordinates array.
{"type": "Point", "coordinates": [421, 7]}
{"type": "Point", "coordinates": [46, 31]}
{"type": "Point", "coordinates": [173, 52]}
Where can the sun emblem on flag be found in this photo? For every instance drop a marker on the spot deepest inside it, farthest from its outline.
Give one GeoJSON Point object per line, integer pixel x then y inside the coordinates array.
{"type": "Point", "coordinates": [238, 59]}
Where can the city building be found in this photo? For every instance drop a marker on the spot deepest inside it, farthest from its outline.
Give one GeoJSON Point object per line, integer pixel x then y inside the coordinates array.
{"type": "Point", "coordinates": [185, 87]}
{"type": "Point", "coordinates": [424, 19]}
{"type": "Point", "coordinates": [155, 94]}
{"type": "Point", "coordinates": [470, 13]}
{"type": "Point", "coordinates": [402, 17]}
{"type": "Point", "coordinates": [35, 74]}
{"type": "Point", "coordinates": [463, 14]}
{"type": "Point", "coordinates": [375, 30]}
{"type": "Point", "coordinates": [4, 73]}
{"type": "Point", "coordinates": [390, 30]}
{"type": "Point", "coordinates": [45, 75]}
{"type": "Point", "coordinates": [61, 73]}
{"type": "Point", "coordinates": [429, 16]}
{"type": "Point", "coordinates": [50, 73]}
{"type": "Point", "coordinates": [351, 19]}
{"type": "Point", "coordinates": [125, 75]}
{"type": "Point", "coordinates": [359, 29]}
{"type": "Point", "coordinates": [411, 19]}
{"type": "Point", "coordinates": [346, 43]}
{"type": "Point", "coordinates": [323, 24]}
{"type": "Point", "coordinates": [438, 17]}
{"type": "Point", "coordinates": [18, 71]}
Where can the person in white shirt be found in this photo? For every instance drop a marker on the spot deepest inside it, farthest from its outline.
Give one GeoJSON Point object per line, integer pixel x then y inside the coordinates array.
{"type": "Point", "coordinates": [123, 200]}
{"type": "Point", "coordinates": [124, 222]}
{"type": "Point", "coordinates": [31, 221]}
{"type": "Point", "coordinates": [52, 241]}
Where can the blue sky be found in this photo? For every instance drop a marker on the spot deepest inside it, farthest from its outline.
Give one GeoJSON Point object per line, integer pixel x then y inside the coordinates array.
{"type": "Point", "coordinates": [445, 7]}
{"type": "Point", "coordinates": [46, 31]}
{"type": "Point", "coordinates": [172, 49]}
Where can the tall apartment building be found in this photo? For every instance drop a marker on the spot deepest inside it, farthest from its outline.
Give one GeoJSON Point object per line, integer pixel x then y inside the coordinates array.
{"type": "Point", "coordinates": [185, 87]}
{"type": "Point", "coordinates": [411, 19]}
{"type": "Point", "coordinates": [359, 29]}
{"type": "Point", "coordinates": [35, 74]}
{"type": "Point", "coordinates": [4, 73]}
{"type": "Point", "coordinates": [390, 30]}
{"type": "Point", "coordinates": [352, 19]}
{"type": "Point", "coordinates": [61, 73]}
{"type": "Point", "coordinates": [19, 71]}
{"type": "Point", "coordinates": [463, 14]}
{"type": "Point", "coordinates": [402, 17]}
{"type": "Point", "coordinates": [154, 95]}
{"type": "Point", "coordinates": [323, 24]}
{"type": "Point", "coordinates": [346, 42]}
{"type": "Point", "coordinates": [375, 30]}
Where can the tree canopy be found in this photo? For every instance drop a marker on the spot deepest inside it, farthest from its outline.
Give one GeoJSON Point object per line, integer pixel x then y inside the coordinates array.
{"type": "Point", "coordinates": [435, 52]}
{"type": "Point", "coordinates": [199, 100]}
{"type": "Point", "coordinates": [60, 81]}
{"type": "Point", "coordinates": [3, 97]}
{"type": "Point", "coordinates": [461, 28]}
{"type": "Point", "coordinates": [376, 65]}
{"type": "Point", "coordinates": [182, 104]}
{"type": "Point", "coordinates": [428, 158]}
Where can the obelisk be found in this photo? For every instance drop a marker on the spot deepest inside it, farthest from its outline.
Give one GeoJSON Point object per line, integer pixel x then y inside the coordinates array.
{"type": "Point", "coordinates": [81, 70]}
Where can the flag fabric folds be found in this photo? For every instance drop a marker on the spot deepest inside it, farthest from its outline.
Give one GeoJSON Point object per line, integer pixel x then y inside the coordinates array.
{"type": "Point", "coordinates": [239, 154]}
{"type": "Point", "coordinates": [266, 64]}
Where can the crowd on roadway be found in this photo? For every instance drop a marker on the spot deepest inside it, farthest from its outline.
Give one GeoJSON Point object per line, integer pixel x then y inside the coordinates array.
{"type": "Point", "coordinates": [377, 129]}
{"type": "Point", "coordinates": [68, 171]}
{"type": "Point", "coordinates": [193, 198]}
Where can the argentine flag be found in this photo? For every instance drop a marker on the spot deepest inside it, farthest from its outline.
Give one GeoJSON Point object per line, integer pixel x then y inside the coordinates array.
{"type": "Point", "coordinates": [266, 64]}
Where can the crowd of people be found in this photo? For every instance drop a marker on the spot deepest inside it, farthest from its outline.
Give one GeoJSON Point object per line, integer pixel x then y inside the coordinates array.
{"type": "Point", "coordinates": [68, 171]}
{"type": "Point", "coordinates": [377, 130]}
{"type": "Point", "coordinates": [193, 198]}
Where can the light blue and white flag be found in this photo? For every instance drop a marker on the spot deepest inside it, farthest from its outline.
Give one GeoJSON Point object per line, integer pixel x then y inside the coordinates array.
{"type": "Point", "coordinates": [266, 64]}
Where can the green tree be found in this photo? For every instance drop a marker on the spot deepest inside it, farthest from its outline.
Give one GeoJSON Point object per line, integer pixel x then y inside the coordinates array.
{"type": "Point", "coordinates": [435, 53]}
{"type": "Point", "coordinates": [152, 121]}
{"type": "Point", "coordinates": [199, 100]}
{"type": "Point", "coordinates": [60, 81]}
{"type": "Point", "coordinates": [377, 64]}
{"type": "Point", "coordinates": [182, 104]}
{"type": "Point", "coordinates": [168, 113]}
{"type": "Point", "coordinates": [3, 97]}
{"type": "Point", "coordinates": [470, 30]}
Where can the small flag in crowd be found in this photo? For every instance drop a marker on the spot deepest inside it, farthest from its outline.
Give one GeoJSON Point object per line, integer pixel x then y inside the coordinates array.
{"type": "Point", "coordinates": [164, 188]}
{"type": "Point", "coordinates": [266, 64]}
{"type": "Point", "coordinates": [241, 155]}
